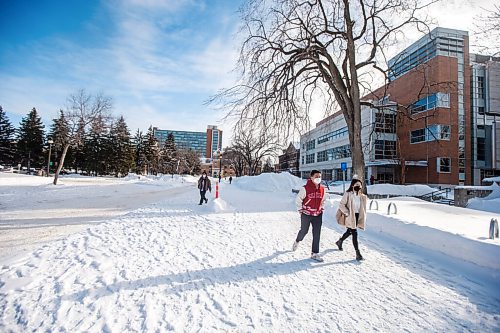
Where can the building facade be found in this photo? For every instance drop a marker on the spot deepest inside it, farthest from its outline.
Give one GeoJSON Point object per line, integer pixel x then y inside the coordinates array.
{"type": "Point", "coordinates": [434, 123]}
{"type": "Point", "coordinates": [205, 143]}
{"type": "Point", "coordinates": [289, 160]}
{"type": "Point", "coordinates": [327, 146]}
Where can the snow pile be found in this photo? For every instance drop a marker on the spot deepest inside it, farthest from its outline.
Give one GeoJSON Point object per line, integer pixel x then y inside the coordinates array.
{"type": "Point", "coordinates": [270, 182]}
{"type": "Point", "coordinates": [491, 203]}
{"type": "Point", "coordinates": [402, 190]}
{"type": "Point", "coordinates": [492, 180]}
{"type": "Point", "coordinates": [161, 180]}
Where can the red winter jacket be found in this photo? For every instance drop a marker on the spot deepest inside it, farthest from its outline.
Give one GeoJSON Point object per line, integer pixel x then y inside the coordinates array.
{"type": "Point", "coordinates": [310, 199]}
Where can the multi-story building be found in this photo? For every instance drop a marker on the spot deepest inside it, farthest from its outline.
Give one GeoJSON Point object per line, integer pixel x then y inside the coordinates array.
{"type": "Point", "coordinates": [327, 146]}
{"type": "Point", "coordinates": [485, 109]}
{"type": "Point", "coordinates": [205, 143]}
{"type": "Point", "coordinates": [441, 108]}
{"type": "Point", "coordinates": [289, 160]}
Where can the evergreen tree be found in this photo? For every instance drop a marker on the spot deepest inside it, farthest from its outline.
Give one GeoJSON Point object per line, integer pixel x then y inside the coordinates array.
{"type": "Point", "coordinates": [151, 152]}
{"type": "Point", "coordinates": [169, 157]}
{"type": "Point", "coordinates": [59, 133]}
{"type": "Point", "coordinates": [30, 140]}
{"type": "Point", "coordinates": [140, 153]}
{"type": "Point", "coordinates": [7, 149]}
{"type": "Point", "coordinates": [96, 148]}
{"type": "Point", "coordinates": [122, 153]}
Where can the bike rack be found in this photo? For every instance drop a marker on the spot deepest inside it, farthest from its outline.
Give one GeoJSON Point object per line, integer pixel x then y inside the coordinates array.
{"type": "Point", "coordinates": [376, 204]}
{"type": "Point", "coordinates": [389, 208]}
{"type": "Point", "coordinates": [493, 228]}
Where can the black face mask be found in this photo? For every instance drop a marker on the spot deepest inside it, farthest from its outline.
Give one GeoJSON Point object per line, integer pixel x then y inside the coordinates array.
{"type": "Point", "coordinates": [357, 188]}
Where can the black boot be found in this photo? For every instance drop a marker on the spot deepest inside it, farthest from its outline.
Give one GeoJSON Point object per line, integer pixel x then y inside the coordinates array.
{"type": "Point", "coordinates": [339, 244]}
{"type": "Point", "coordinates": [359, 256]}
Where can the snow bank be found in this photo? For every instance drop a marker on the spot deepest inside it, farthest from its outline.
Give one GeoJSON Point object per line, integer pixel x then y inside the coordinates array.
{"type": "Point", "coordinates": [403, 190]}
{"type": "Point", "coordinates": [270, 182]}
{"type": "Point", "coordinates": [160, 180]}
{"type": "Point", "coordinates": [454, 231]}
{"type": "Point", "coordinates": [491, 203]}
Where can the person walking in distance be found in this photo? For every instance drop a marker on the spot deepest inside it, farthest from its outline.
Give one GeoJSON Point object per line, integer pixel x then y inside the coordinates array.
{"type": "Point", "coordinates": [203, 186]}
{"type": "Point", "coordinates": [230, 179]}
{"type": "Point", "coordinates": [310, 203]}
{"type": "Point", "coordinates": [353, 207]}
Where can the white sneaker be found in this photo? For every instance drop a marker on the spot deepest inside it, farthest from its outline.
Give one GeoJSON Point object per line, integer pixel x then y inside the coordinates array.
{"type": "Point", "coordinates": [295, 245]}
{"type": "Point", "coordinates": [317, 257]}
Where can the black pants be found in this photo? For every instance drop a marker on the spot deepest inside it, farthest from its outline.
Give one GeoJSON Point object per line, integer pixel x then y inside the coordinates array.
{"type": "Point", "coordinates": [202, 194]}
{"type": "Point", "coordinates": [354, 233]}
{"type": "Point", "coordinates": [305, 221]}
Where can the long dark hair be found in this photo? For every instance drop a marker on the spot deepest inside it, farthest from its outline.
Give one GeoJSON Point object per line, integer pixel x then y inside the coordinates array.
{"type": "Point", "coordinates": [354, 181]}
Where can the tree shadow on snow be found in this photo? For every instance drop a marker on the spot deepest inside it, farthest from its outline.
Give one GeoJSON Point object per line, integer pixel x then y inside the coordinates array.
{"type": "Point", "coordinates": [200, 279]}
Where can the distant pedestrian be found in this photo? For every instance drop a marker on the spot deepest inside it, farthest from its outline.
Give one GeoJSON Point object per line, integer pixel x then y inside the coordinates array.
{"type": "Point", "coordinates": [310, 203]}
{"type": "Point", "coordinates": [230, 179]}
{"type": "Point", "coordinates": [372, 179]}
{"type": "Point", "coordinates": [220, 178]}
{"type": "Point", "coordinates": [203, 186]}
{"type": "Point", "coordinates": [352, 214]}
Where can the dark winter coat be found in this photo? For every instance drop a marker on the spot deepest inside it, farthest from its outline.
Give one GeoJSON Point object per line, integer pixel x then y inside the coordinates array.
{"type": "Point", "coordinates": [204, 184]}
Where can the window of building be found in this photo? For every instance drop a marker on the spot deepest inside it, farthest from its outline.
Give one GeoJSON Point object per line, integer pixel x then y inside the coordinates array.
{"type": "Point", "coordinates": [430, 102]}
{"type": "Point", "coordinates": [480, 87]}
{"type": "Point", "coordinates": [385, 122]}
{"type": "Point", "coordinates": [385, 149]}
{"type": "Point", "coordinates": [432, 133]}
{"type": "Point", "coordinates": [438, 132]}
{"type": "Point", "coordinates": [417, 135]}
{"type": "Point", "coordinates": [480, 109]}
{"type": "Point", "coordinates": [443, 164]}
{"type": "Point", "coordinates": [481, 149]}
{"type": "Point", "coordinates": [310, 144]}
{"type": "Point", "coordinates": [310, 158]}
{"type": "Point", "coordinates": [333, 135]}
{"type": "Point", "coordinates": [302, 158]}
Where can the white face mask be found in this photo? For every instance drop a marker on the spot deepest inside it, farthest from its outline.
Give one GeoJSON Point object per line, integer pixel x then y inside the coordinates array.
{"type": "Point", "coordinates": [317, 181]}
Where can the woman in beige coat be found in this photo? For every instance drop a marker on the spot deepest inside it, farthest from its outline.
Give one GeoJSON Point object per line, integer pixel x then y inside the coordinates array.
{"type": "Point", "coordinates": [353, 208]}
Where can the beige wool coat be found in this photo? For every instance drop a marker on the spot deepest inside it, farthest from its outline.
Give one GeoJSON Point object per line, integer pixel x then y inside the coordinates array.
{"type": "Point", "coordinates": [346, 206]}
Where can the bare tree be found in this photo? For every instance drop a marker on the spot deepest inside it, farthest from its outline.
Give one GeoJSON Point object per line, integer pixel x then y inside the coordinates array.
{"type": "Point", "coordinates": [83, 109]}
{"type": "Point", "coordinates": [233, 158]}
{"type": "Point", "coordinates": [253, 147]}
{"type": "Point", "coordinates": [297, 51]}
{"type": "Point", "coordinates": [189, 161]}
{"type": "Point", "coordinates": [487, 31]}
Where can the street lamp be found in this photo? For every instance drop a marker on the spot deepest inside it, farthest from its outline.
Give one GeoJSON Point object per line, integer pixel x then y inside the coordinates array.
{"type": "Point", "coordinates": [50, 142]}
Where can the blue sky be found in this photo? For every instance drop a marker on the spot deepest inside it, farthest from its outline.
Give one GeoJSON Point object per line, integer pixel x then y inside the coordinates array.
{"type": "Point", "coordinates": [158, 59]}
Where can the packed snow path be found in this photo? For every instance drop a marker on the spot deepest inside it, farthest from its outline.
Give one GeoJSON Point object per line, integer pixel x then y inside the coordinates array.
{"type": "Point", "coordinates": [227, 266]}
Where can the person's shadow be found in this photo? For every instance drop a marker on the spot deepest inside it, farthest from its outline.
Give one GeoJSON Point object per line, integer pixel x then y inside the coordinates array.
{"type": "Point", "coordinates": [200, 279]}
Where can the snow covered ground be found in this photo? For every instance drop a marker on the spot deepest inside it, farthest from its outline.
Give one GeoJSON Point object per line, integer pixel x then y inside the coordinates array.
{"type": "Point", "coordinates": [147, 258]}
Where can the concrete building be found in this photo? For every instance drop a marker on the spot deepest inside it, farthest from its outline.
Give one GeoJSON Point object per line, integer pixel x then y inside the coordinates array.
{"type": "Point", "coordinates": [434, 123]}
{"type": "Point", "coordinates": [205, 143]}
{"type": "Point", "coordinates": [327, 146]}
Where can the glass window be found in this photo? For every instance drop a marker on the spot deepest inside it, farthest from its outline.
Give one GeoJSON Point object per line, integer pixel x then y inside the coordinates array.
{"type": "Point", "coordinates": [480, 86]}
{"type": "Point", "coordinates": [310, 158]}
{"type": "Point", "coordinates": [481, 149]}
{"type": "Point", "coordinates": [444, 164]}
{"type": "Point", "coordinates": [385, 149]}
{"type": "Point", "coordinates": [385, 122]}
{"type": "Point", "coordinates": [310, 145]}
{"type": "Point", "coordinates": [417, 135]}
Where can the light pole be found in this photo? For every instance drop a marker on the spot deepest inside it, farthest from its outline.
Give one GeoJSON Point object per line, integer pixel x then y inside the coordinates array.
{"type": "Point", "coordinates": [220, 164]}
{"type": "Point", "coordinates": [50, 142]}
